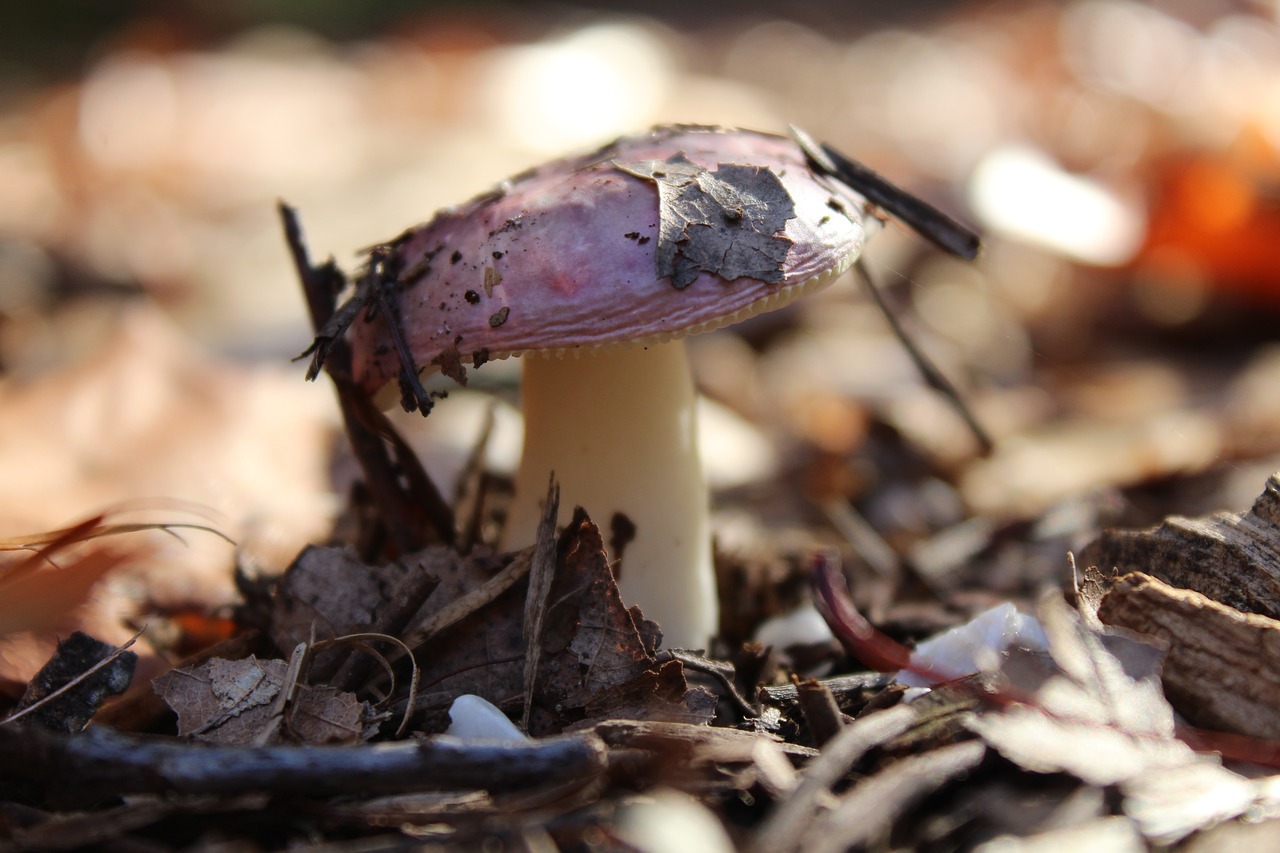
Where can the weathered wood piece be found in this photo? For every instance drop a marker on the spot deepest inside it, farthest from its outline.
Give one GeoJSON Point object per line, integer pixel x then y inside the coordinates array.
{"type": "Point", "coordinates": [1229, 557]}
{"type": "Point", "coordinates": [1223, 666]}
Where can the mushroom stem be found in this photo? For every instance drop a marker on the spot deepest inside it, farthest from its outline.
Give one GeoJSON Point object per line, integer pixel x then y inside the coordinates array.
{"type": "Point", "coordinates": [619, 429]}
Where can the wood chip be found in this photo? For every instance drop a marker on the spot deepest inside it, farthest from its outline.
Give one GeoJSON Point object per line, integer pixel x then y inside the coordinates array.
{"type": "Point", "coordinates": [1222, 670]}
{"type": "Point", "coordinates": [1228, 557]}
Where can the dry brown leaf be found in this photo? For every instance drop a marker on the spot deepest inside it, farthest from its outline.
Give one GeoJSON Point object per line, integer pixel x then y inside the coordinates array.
{"type": "Point", "coordinates": [239, 703]}
{"type": "Point", "coordinates": [330, 590]}
{"type": "Point", "coordinates": [324, 715]}
{"type": "Point", "coordinates": [483, 653]}
{"type": "Point", "coordinates": [597, 655]}
{"type": "Point", "coordinates": [223, 701]}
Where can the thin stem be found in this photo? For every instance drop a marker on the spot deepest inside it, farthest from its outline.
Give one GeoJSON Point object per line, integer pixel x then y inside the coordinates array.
{"type": "Point", "coordinates": [932, 375]}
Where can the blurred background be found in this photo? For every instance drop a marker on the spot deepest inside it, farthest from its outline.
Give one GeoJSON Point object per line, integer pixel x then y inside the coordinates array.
{"type": "Point", "coordinates": [1118, 336]}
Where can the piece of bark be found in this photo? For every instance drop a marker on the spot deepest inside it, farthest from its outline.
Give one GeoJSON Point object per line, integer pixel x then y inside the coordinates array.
{"type": "Point", "coordinates": [1228, 557]}
{"type": "Point", "coordinates": [848, 690]}
{"type": "Point", "coordinates": [1222, 670]}
{"type": "Point", "coordinates": [818, 704]}
{"type": "Point", "coordinates": [71, 687]}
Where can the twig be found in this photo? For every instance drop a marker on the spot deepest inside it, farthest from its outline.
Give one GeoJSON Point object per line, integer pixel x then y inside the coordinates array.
{"type": "Point", "coordinates": [104, 763]}
{"type": "Point", "coordinates": [925, 219]}
{"type": "Point", "coordinates": [463, 606]}
{"type": "Point", "coordinates": [932, 375]}
{"type": "Point", "coordinates": [542, 574]}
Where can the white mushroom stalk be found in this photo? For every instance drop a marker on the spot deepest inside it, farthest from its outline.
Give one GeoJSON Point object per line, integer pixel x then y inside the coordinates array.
{"type": "Point", "coordinates": [592, 268]}
{"type": "Point", "coordinates": [619, 429]}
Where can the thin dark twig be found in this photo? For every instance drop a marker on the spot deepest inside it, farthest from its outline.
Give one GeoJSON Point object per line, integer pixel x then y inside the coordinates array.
{"type": "Point", "coordinates": [925, 219]}
{"type": "Point", "coordinates": [320, 300]}
{"type": "Point", "coordinates": [413, 397]}
{"type": "Point", "coordinates": [932, 375]}
{"type": "Point", "coordinates": [542, 574]}
{"type": "Point", "coordinates": [106, 763]}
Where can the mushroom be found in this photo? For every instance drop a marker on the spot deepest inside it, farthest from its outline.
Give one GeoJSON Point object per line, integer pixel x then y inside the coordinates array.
{"type": "Point", "coordinates": [593, 269]}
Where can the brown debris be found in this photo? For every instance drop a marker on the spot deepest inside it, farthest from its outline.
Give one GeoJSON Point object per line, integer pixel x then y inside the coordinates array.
{"type": "Point", "coordinates": [1228, 557]}
{"type": "Point", "coordinates": [251, 702]}
{"type": "Point", "coordinates": [68, 690]}
{"type": "Point", "coordinates": [821, 712]}
{"type": "Point", "coordinates": [1222, 669]}
{"type": "Point", "coordinates": [598, 656]}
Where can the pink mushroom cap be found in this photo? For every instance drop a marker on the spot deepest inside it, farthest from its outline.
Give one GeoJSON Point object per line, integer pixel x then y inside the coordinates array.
{"type": "Point", "coordinates": [566, 255]}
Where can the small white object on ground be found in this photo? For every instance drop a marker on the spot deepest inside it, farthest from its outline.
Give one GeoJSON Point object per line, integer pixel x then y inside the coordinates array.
{"type": "Point", "coordinates": [974, 646]}
{"type": "Point", "coordinates": [803, 626]}
{"type": "Point", "coordinates": [668, 821]}
{"type": "Point", "coordinates": [474, 718]}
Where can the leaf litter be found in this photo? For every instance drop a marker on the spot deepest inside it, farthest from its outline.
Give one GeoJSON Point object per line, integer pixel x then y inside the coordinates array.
{"type": "Point", "coordinates": [612, 712]}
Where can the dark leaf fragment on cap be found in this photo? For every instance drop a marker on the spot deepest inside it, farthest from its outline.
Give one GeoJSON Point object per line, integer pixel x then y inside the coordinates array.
{"type": "Point", "coordinates": [725, 222]}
